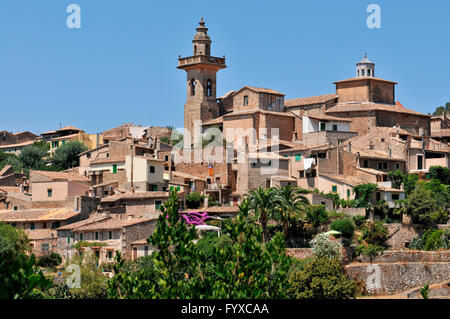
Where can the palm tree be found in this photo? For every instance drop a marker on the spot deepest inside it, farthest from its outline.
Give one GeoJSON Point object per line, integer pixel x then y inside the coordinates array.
{"type": "Point", "coordinates": [261, 202]}
{"type": "Point", "coordinates": [290, 201]}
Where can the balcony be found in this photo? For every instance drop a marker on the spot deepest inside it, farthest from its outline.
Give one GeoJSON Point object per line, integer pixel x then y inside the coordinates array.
{"type": "Point", "coordinates": [192, 60]}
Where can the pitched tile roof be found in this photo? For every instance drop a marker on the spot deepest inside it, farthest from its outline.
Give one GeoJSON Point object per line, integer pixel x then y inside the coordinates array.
{"type": "Point", "coordinates": [364, 78]}
{"type": "Point", "coordinates": [37, 214]}
{"type": "Point", "coordinates": [318, 99]}
{"type": "Point", "coordinates": [256, 110]}
{"type": "Point", "coordinates": [84, 222]}
{"type": "Point", "coordinates": [261, 90]}
{"type": "Point", "coordinates": [108, 160]}
{"type": "Point", "coordinates": [328, 118]}
{"type": "Point", "coordinates": [302, 147]}
{"type": "Point", "coordinates": [139, 195]}
{"type": "Point", "coordinates": [62, 176]}
{"type": "Point", "coordinates": [112, 224]}
{"type": "Point", "coordinates": [353, 107]}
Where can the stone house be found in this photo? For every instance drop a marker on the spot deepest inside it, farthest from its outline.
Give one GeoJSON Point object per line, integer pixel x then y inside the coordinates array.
{"type": "Point", "coordinates": [57, 186]}
{"type": "Point", "coordinates": [106, 235]}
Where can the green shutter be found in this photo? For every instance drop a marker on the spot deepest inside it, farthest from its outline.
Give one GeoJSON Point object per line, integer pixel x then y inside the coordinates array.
{"type": "Point", "coordinates": [114, 169]}
{"type": "Point", "coordinates": [298, 157]}
{"type": "Point", "coordinates": [178, 188]}
{"type": "Point", "coordinates": [334, 189]}
{"type": "Point", "coordinates": [158, 205]}
{"type": "Point", "coordinates": [68, 240]}
{"type": "Point", "coordinates": [334, 127]}
{"type": "Point", "coordinates": [32, 226]}
{"type": "Point", "coordinates": [322, 126]}
{"type": "Point", "coordinates": [348, 193]}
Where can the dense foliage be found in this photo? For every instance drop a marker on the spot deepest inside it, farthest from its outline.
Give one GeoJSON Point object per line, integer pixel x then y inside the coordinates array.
{"type": "Point", "coordinates": [194, 200]}
{"type": "Point", "coordinates": [324, 247]}
{"type": "Point", "coordinates": [344, 226]}
{"type": "Point", "coordinates": [321, 278]}
{"type": "Point", "coordinates": [67, 156]}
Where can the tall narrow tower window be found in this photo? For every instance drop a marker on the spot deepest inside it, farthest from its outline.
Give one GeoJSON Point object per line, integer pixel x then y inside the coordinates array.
{"type": "Point", "coordinates": [195, 49]}
{"type": "Point", "coordinates": [192, 87]}
{"type": "Point", "coordinates": [209, 87]}
{"type": "Point", "coordinates": [245, 100]}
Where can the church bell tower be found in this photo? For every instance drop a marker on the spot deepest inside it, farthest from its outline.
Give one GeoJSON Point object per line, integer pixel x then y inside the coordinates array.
{"type": "Point", "coordinates": [201, 69]}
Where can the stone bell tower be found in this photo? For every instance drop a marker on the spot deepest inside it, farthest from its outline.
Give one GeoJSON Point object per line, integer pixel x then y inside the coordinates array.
{"type": "Point", "coordinates": [201, 69]}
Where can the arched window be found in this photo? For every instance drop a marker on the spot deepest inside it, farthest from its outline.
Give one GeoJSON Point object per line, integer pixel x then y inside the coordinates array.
{"type": "Point", "coordinates": [195, 49]}
{"type": "Point", "coordinates": [192, 87]}
{"type": "Point", "coordinates": [209, 87]}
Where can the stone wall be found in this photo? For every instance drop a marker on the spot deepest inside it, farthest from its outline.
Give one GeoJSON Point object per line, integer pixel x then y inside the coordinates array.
{"type": "Point", "coordinates": [397, 277]}
{"type": "Point", "coordinates": [395, 256]}
{"type": "Point", "coordinates": [352, 211]}
{"type": "Point", "coordinates": [401, 234]}
{"type": "Point", "coordinates": [299, 253]}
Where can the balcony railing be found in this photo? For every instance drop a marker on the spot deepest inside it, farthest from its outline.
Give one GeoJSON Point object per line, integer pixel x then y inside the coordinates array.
{"type": "Point", "coordinates": [201, 59]}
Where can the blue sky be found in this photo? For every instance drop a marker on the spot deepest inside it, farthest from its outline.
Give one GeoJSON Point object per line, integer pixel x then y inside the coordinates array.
{"type": "Point", "coordinates": [121, 65]}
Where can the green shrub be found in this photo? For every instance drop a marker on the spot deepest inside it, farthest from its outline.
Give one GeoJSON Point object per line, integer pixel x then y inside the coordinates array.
{"type": "Point", "coordinates": [359, 220]}
{"type": "Point", "coordinates": [334, 215]}
{"type": "Point", "coordinates": [193, 200]}
{"type": "Point", "coordinates": [370, 251]}
{"type": "Point", "coordinates": [433, 239]}
{"type": "Point", "coordinates": [344, 226]}
{"type": "Point", "coordinates": [50, 260]}
{"type": "Point", "coordinates": [316, 215]}
{"type": "Point", "coordinates": [416, 244]}
{"type": "Point", "coordinates": [322, 278]}
{"type": "Point", "coordinates": [374, 233]}
{"type": "Point", "coordinates": [324, 247]}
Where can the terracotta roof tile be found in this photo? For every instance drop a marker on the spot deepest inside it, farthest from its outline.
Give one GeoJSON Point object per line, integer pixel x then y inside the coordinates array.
{"type": "Point", "coordinates": [139, 195]}
{"type": "Point", "coordinates": [318, 99]}
{"type": "Point", "coordinates": [353, 107]}
{"type": "Point", "coordinates": [37, 214]}
{"type": "Point", "coordinates": [108, 160]}
{"type": "Point", "coordinates": [364, 78]}
{"type": "Point", "coordinates": [62, 176]}
{"type": "Point", "coordinates": [112, 224]}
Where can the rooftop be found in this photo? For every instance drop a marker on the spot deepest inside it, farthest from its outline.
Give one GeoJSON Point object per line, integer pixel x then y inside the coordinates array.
{"type": "Point", "coordinates": [61, 176]}
{"type": "Point", "coordinates": [310, 100]}
{"type": "Point", "coordinates": [368, 106]}
{"type": "Point", "coordinates": [140, 195]}
{"type": "Point", "coordinates": [53, 214]}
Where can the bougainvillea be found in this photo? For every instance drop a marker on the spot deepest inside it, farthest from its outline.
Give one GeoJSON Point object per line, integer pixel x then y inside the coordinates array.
{"type": "Point", "coordinates": [195, 218]}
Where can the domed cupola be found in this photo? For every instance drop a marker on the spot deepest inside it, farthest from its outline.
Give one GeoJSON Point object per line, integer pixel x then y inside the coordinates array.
{"type": "Point", "coordinates": [365, 67]}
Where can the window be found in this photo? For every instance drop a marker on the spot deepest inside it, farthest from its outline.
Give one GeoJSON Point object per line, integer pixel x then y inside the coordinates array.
{"type": "Point", "coordinates": [31, 226]}
{"type": "Point", "coordinates": [157, 205]}
{"type": "Point", "coordinates": [385, 166]}
{"type": "Point", "coordinates": [110, 235]}
{"type": "Point", "coordinates": [298, 157]}
{"type": "Point", "coordinates": [16, 207]}
{"type": "Point", "coordinates": [334, 188]}
{"type": "Point", "coordinates": [322, 155]}
{"type": "Point", "coordinates": [380, 165]}
{"type": "Point", "coordinates": [378, 196]}
{"type": "Point", "coordinates": [209, 88]}
{"type": "Point", "coordinates": [96, 235]}
{"type": "Point", "coordinates": [63, 142]}
{"type": "Point", "coordinates": [152, 169]}
{"type": "Point", "coordinates": [178, 187]}
{"type": "Point", "coordinates": [166, 158]}
{"type": "Point", "coordinates": [88, 155]}
{"type": "Point", "coordinates": [68, 240]}
{"type": "Point", "coordinates": [110, 254]}
{"type": "Point", "coordinates": [49, 192]}
{"type": "Point", "coordinates": [45, 247]}
{"type": "Point", "coordinates": [164, 188]}
{"type": "Point", "coordinates": [348, 193]}
{"type": "Point", "coordinates": [313, 173]}
{"type": "Point", "coordinates": [115, 169]}
{"type": "Point", "coordinates": [245, 100]}
{"type": "Point", "coordinates": [366, 164]}
{"type": "Point", "coordinates": [334, 127]}
{"type": "Point", "coordinates": [44, 225]}
{"type": "Point", "coordinates": [322, 126]}
{"type": "Point", "coordinates": [154, 188]}
{"type": "Point", "coordinates": [56, 224]}
{"type": "Point", "coordinates": [192, 87]}
{"type": "Point", "coordinates": [301, 174]}
{"type": "Point", "coordinates": [146, 251]}
{"type": "Point", "coordinates": [81, 236]}
{"type": "Point", "coordinates": [397, 166]}
{"type": "Point", "coordinates": [13, 224]}
{"type": "Point", "coordinates": [395, 197]}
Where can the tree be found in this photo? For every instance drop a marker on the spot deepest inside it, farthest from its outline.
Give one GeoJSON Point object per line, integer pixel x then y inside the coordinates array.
{"type": "Point", "coordinates": [422, 207]}
{"type": "Point", "coordinates": [441, 109]}
{"type": "Point", "coordinates": [32, 157]}
{"type": "Point", "coordinates": [441, 173]}
{"type": "Point", "coordinates": [67, 156]}
{"type": "Point", "coordinates": [363, 192]}
{"type": "Point", "coordinates": [316, 215]}
{"type": "Point", "coordinates": [261, 202]}
{"type": "Point", "coordinates": [410, 182]}
{"type": "Point", "coordinates": [321, 278]}
{"type": "Point", "coordinates": [344, 226]}
{"type": "Point", "coordinates": [290, 202]}
{"type": "Point", "coordinates": [397, 178]}
{"type": "Point", "coordinates": [240, 267]}
{"type": "Point", "coordinates": [324, 247]}
{"type": "Point", "coordinates": [20, 278]}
